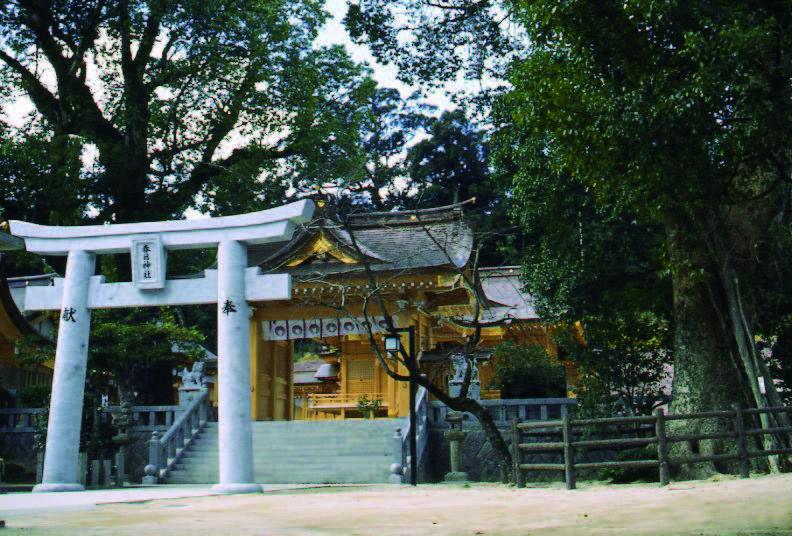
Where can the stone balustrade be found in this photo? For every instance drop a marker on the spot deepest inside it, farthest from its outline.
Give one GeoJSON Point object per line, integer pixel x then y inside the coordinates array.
{"type": "Point", "coordinates": [166, 449]}
{"type": "Point", "coordinates": [504, 411]}
{"type": "Point", "coordinates": [19, 420]}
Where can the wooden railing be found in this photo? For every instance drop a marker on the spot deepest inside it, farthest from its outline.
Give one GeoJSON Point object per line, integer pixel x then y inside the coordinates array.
{"type": "Point", "coordinates": [490, 394]}
{"type": "Point", "coordinates": [571, 443]}
{"type": "Point", "coordinates": [337, 401]}
{"type": "Point", "coordinates": [165, 451]}
{"type": "Point", "coordinates": [19, 420]}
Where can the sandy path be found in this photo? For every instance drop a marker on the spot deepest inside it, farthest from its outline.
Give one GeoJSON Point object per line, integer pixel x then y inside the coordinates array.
{"type": "Point", "coordinates": [759, 506]}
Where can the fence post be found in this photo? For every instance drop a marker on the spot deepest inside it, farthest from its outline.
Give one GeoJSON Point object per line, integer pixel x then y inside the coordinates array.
{"type": "Point", "coordinates": [662, 446]}
{"type": "Point", "coordinates": [569, 452]}
{"type": "Point", "coordinates": [742, 443]}
{"type": "Point", "coordinates": [519, 477]}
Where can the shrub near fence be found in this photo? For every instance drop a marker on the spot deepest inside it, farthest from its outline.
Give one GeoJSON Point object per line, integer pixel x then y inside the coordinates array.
{"type": "Point", "coordinates": [570, 443]}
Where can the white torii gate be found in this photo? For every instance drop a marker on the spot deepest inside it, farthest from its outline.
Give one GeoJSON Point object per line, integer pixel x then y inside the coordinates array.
{"type": "Point", "coordinates": [231, 286]}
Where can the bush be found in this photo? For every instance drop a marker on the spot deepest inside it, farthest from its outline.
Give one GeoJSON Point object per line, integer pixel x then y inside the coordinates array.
{"type": "Point", "coordinates": [627, 475]}
{"type": "Point", "coordinates": [527, 371]}
{"type": "Point", "coordinates": [34, 396]}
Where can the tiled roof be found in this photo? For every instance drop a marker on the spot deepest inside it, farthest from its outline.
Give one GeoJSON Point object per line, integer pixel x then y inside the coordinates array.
{"type": "Point", "coordinates": [304, 372]}
{"type": "Point", "coordinates": [390, 241]}
{"type": "Point", "coordinates": [502, 287]}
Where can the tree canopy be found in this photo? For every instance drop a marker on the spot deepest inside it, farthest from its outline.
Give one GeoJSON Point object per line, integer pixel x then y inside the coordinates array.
{"type": "Point", "coordinates": [183, 101]}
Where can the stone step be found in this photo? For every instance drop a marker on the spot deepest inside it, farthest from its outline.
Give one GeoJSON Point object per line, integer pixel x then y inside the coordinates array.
{"type": "Point", "coordinates": [300, 452]}
{"type": "Point", "coordinates": [292, 441]}
{"type": "Point", "coordinates": [292, 479]}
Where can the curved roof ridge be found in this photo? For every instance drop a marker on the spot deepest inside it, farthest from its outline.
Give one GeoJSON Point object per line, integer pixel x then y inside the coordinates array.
{"type": "Point", "coordinates": [431, 214]}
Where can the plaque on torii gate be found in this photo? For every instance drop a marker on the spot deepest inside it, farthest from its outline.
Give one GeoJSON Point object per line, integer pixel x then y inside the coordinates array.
{"type": "Point", "coordinates": [231, 286]}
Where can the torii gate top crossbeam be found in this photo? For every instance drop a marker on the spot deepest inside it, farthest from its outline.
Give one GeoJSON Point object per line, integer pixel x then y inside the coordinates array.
{"type": "Point", "coordinates": [271, 225]}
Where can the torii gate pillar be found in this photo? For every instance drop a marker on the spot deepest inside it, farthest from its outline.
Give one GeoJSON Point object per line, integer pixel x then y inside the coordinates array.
{"type": "Point", "coordinates": [231, 286]}
{"type": "Point", "coordinates": [68, 385]}
{"type": "Point", "coordinates": [233, 368]}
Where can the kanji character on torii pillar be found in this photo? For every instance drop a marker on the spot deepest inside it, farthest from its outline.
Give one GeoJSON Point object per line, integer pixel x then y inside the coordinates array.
{"type": "Point", "coordinates": [231, 286]}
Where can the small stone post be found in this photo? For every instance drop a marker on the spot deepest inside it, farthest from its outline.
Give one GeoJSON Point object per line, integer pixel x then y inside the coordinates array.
{"type": "Point", "coordinates": [107, 473]}
{"type": "Point", "coordinates": [396, 468]}
{"type": "Point", "coordinates": [39, 466]}
{"type": "Point", "coordinates": [662, 447]}
{"type": "Point", "coordinates": [455, 437]}
{"type": "Point", "coordinates": [155, 463]}
{"type": "Point", "coordinates": [95, 465]}
{"type": "Point", "coordinates": [82, 468]}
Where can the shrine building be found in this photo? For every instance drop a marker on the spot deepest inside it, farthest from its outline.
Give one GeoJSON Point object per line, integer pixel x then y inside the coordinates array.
{"type": "Point", "coordinates": [419, 261]}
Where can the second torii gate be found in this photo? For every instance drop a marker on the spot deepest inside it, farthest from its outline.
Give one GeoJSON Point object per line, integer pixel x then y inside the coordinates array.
{"type": "Point", "coordinates": [231, 286]}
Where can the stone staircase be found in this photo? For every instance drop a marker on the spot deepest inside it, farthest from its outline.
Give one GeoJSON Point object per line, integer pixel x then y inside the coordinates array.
{"type": "Point", "coordinates": [301, 452]}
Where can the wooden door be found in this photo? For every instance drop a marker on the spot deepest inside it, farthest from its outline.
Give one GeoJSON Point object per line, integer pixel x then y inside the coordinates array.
{"type": "Point", "coordinates": [264, 382]}
{"type": "Point", "coordinates": [273, 388]}
{"type": "Point", "coordinates": [281, 401]}
{"type": "Point", "coordinates": [360, 376]}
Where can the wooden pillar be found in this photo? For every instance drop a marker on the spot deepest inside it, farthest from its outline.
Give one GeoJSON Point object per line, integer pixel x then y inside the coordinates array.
{"type": "Point", "coordinates": [290, 378]}
{"type": "Point", "coordinates": [569, 452]}
{"type": "Point", "coordinates": [662, 447]}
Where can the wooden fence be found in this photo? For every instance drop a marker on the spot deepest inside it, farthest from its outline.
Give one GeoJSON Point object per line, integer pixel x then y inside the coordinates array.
{"type": "Point", "coordinates": [571, 442]}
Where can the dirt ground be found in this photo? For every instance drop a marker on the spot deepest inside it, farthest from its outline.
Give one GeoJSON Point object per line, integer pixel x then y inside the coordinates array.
{"type": "Point", "coordinates": [758, 506]}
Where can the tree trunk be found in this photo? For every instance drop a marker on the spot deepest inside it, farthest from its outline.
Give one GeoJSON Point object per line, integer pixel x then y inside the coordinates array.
{"type": "Point", "coordinates": [705, 375]}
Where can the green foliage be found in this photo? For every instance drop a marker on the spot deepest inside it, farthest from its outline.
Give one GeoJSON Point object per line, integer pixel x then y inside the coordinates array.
{"type": "Point", "coordinates": [431, 41]}
{"type": "Point", "coordinates": [527, 371]}
{"type": "Point", "coordinates": [133, 350]}
{"type": "Point", "coordinates": [624, 366]}
{"type": "Point", "coordinates": [368, 407]}
{"type": "Point", "coordinates": [639, 129]}
{"type": "Point", "coordinates": [40, 430]}
{"type": "Point", "coordinates": [451, 165]}
{"type": "Point", "coordinates": [6, 399]}
{"type": "Point", "coordinates": [34, 396]}
{"type": "Point", "coordinates": [40, 177]}
{"type": "Point", "coordinates": [136, 350]}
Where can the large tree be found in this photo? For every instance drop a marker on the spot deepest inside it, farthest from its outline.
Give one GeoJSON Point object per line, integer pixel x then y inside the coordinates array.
{"type": "Point", "coordinates": [678, 111]}
{"type": "Point", "coordinates": [183, 101]}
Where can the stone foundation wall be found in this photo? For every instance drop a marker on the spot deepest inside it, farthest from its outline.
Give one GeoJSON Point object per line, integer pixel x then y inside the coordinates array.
{"type": "Point", "coordinates": [481, 464]}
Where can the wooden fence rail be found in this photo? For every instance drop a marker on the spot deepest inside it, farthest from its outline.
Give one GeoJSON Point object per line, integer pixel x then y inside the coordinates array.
{"type": "Point", "coordinates": [656, 424]}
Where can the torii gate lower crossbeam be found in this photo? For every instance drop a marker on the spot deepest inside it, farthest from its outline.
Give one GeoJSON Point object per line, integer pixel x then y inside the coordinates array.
{"type": "Point", "coordinates": [231, 287]}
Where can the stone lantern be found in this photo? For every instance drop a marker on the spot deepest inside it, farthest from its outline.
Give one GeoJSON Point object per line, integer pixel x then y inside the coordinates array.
{"type": "Point", "coordinates": [455, 438]}
{"type": "Point", "coordinates": [121, 440]}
